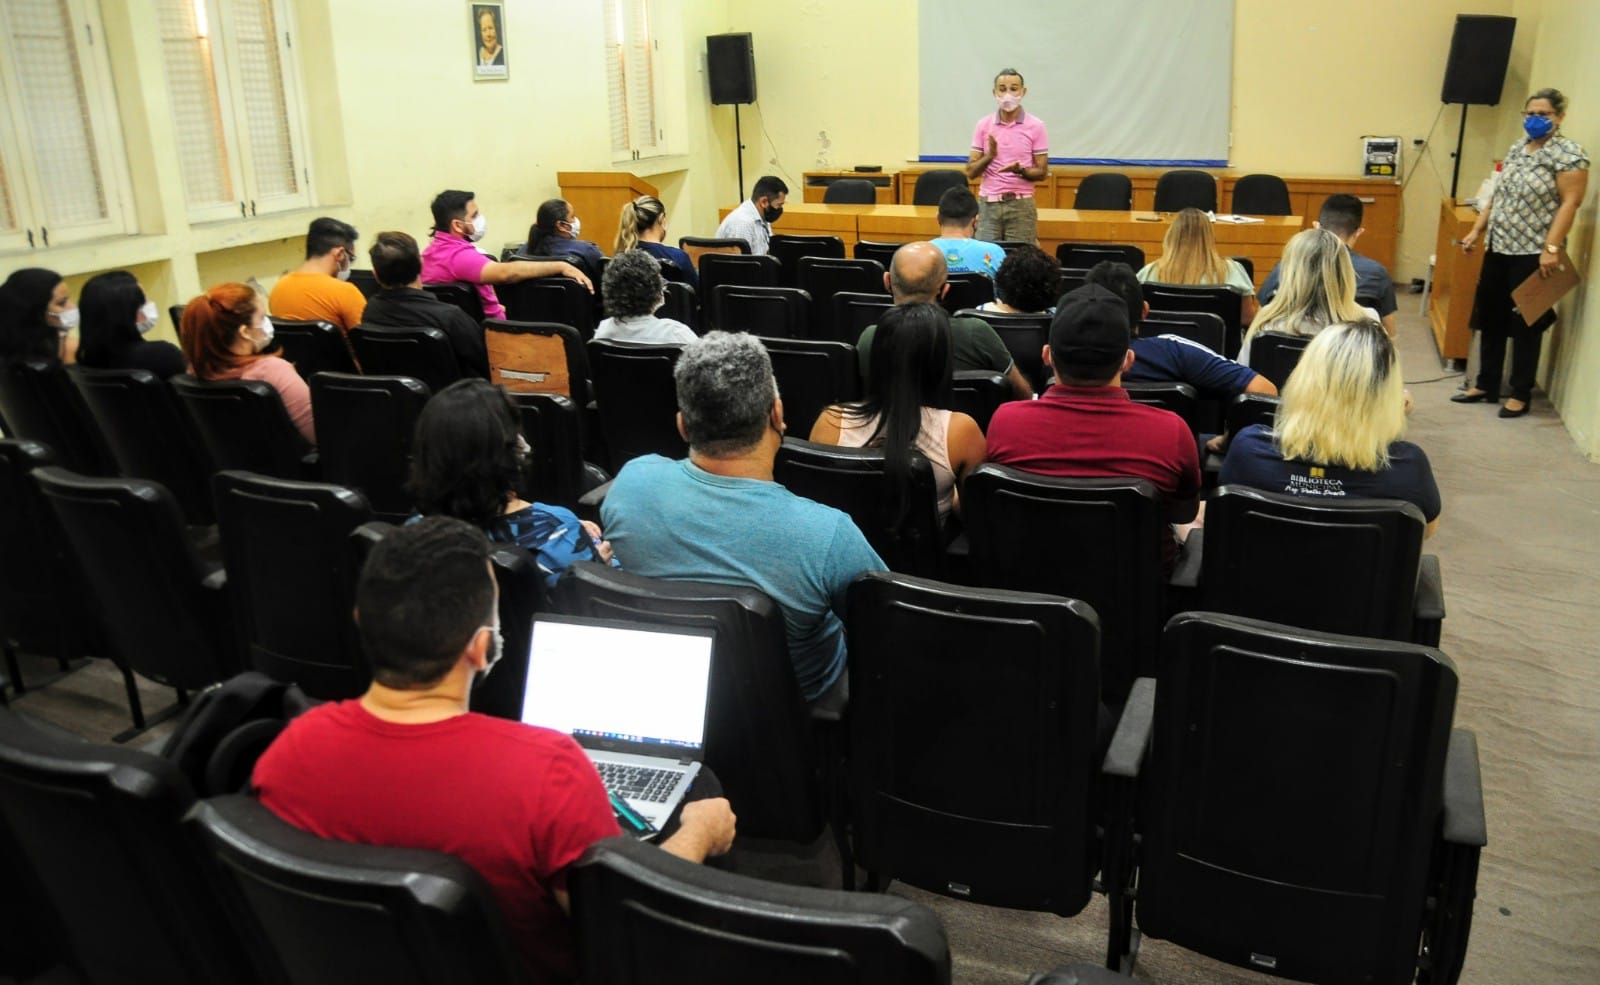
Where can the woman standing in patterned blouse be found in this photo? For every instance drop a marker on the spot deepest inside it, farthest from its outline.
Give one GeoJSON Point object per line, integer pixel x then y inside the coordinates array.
{"type": "Point", "coordinates": [1535, 200]}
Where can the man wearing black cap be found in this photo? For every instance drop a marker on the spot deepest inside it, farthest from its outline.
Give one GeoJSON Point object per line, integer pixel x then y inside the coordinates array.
{"type": "Point", "coordinates": [1085, 425]}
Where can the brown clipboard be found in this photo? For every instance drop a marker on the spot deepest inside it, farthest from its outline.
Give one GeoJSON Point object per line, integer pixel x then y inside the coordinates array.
{"type": "Point", "coordinates": [1537, 295]}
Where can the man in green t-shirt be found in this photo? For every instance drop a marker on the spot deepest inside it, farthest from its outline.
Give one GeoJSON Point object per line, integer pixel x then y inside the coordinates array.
{"type": "Point", "coordinates": [918, 273]}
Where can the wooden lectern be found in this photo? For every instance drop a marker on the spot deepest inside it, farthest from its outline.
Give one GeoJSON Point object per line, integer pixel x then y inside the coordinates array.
{"type": "Point", "coordinates": [1455, 280]}
{"type": "Point", "coordinates": [597, 198]}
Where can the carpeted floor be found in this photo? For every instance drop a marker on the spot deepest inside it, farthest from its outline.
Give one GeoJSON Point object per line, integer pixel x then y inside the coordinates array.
{"type": "Point", "coordinates": [1519, 541]}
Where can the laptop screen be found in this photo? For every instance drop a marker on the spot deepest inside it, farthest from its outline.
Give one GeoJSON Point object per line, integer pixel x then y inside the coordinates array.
{"type": "Point", "coordinates": [607, 680]}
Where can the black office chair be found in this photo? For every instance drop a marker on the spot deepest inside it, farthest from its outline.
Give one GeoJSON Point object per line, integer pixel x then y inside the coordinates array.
{"type": "Point", "coordinates": [538, 357]}
{"type": "Point", "coordinates": [1180, 398]}
{"type": "Point", "coordinates": [681, 303]}
{"type": "Point", "coordinates": [39, 403]}
{"type": "Point", "coordinates": [1184, 189]}
{"type": "Point", "coordinates": [420, 352]}
{"type": "Point", "coordinates": [1098, 540]}
{"type": "Point", "coordinates": [978, 393]}
{"type": "Point", "coordinates": [779, 312]}
{"type": "Point", "coordinates": [867, 249]}
{"type": "Point", "coordinates": [1261, 194]}
{"type": "Point", "coordinates": [462, 295]}
{"type": "Point", "coordinates": [850, 191]}
{"type": "Point", "coordinates": [1220, 301]}
{"type": "Point", "coordinates": [1082, 256]}
{"type": "Point", "coordinates": [98, 828]}
{"type": "Point", "coordinates": [1025, 337]}
{"type": "Point", "coordinates": [759, 738]}
{"type": "Point", "coordinates": [823, 278]}
{"type": "Point", "coordinates": [318, 911]}
{"type": "Point", "coordinates": [853, 480]}
{"type": "Point", "coordinates": [1249, 266]}
{"type": "Point", "coordinates": [243, 425]}
{"type": "Point", "coordinates": [365, 281]}
{"type": "Point", "coordinates": [1276, 354]}
{"type": "Point", "coordinates": [973, 718]}
{"type": "Point", "coordinates": [1205, 327]}
{"type": "Point", "coordinates": [366, 426]}
{"type": "Point", "coordinates": [968, 289]}
{"type": "Point", "coordinates": [642, 916]}
{"type": "Point", "coordinates": [748, 270]}
{"type": "Point", "coordinates": [550, 299]}
{"type": "Point", "coordinates": [1371, 577]}
{"type": "Point", "coordinates": [292, 579]}
{"type": "Point", "coordinates": [164, 612]}
{"type": "Point", "coordinates": [1073, 278]}
{"type": "Point", "coordinates": [788, 250]}
{"type": "Point", "coordinates": [853, 311]}
{"type": "Point", "coordinates": [149, 437]}
{"type": "Point", "coordinates": [1245, 410]}
{"type": "Point", "coordinates": [699, 246]}
{"type": "Point", "coordinates": [522, 593]}
{"type": "Point", "coordinates": [313, 347]}
{"type": "Point", "coordinates": [637, 399]}
{"type": "Point", "coordinates": [175, 312]}
{"type": "Point", "coordinates": [931, 185]}
{"type": "Point", "coordinates": [1104, 191]}
{"type": "Point", "coordinates": [1305, 807]}
{"type": "Point", "coordinates": [811, 377]}
{"type": "Point", "coordinates": [557, 472]}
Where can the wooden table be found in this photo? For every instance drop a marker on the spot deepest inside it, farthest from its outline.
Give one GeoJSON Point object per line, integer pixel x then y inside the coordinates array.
{"type": "Point", "coordinates": [1455, 281]}
{"type": "Point", "coordinates": [817, 182]}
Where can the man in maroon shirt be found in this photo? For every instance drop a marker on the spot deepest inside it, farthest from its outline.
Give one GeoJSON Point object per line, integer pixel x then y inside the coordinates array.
{"type": "Point", "coordinates": [406, 765]}
{"type": "Point", "coordinates": [1085, 425]}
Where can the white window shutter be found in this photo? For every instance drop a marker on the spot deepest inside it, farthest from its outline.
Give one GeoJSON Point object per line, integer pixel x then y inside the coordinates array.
{"type": "Point", "coordinates": [640, 81]}
{"type": "Point", "coordinates": [616, 47]}
{"type": "Point", "coordinates": [8, 211]}
{"type": "Point", "coordinates": [208, 178]}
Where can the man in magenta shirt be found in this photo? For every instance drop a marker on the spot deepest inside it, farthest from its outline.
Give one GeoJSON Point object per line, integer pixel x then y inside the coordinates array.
{"type": "Point", "coordinates": [1011, 151]}
{"type": "Point", "coordinates": [1085, 425]}
{"type": "Point", "coordinates": [450, 255]}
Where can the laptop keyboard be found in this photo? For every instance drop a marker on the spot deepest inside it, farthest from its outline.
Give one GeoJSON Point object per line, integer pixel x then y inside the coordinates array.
{"type": "Point", "coordinates": [638, 782]}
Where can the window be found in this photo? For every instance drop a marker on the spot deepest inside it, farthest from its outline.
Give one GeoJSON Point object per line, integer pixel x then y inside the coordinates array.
{"type": "Point", "coordinates": [630, 79]}
{"type": "Point", "coordinates": [62, 175]}
{"type": "Point", "coordinates": [235, 105]}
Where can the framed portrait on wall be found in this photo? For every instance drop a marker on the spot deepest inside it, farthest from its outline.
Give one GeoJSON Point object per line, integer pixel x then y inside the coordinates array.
{"type": "Point", "coordinates": [488, 40]}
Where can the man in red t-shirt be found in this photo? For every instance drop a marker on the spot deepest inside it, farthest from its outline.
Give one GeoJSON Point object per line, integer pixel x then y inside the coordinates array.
{"type": "Point", "coordinates": [1085, 425]}
{"type": "Point", "coordinates": [407, 765]}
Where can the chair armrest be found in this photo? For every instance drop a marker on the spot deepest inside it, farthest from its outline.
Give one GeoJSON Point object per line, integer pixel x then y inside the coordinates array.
{"type": "Point", "coordinates": [592, 499]}
{"type": "Point", "coordinates": [1132, 737]}
{"type": "Point", "coordinates": [1429, 602]}
{"type": "Point", "coordinates": [1463, 818]}
{"type": "Point", "coordinates": [1186, 573]}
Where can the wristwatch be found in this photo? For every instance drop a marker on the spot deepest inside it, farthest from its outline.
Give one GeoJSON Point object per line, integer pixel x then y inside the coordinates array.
{"type": "Point", "coordinates": [1548, 248]}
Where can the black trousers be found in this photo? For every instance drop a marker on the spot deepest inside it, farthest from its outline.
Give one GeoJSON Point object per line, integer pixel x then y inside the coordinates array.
{"type": "Point", "coordinates": [1497, 319]}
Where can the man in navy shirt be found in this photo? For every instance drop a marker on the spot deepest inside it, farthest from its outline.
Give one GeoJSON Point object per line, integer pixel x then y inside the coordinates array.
{"type": "Point", "coordinates": [1341, 215]}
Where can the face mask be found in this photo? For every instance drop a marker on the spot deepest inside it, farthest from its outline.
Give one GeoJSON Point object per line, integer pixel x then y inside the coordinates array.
{"type": "Point", "coordinates": [497, 645]}
{"type": "Point", "coordinates": [344, 271]}
{"type": "Point", "coordinates": [480, 225]}
{"type": "Point", "coordinates": [266, 334]}
{"type": "Point", "coordinates": [576, 225]}
{"type": "Point", "coordinates": [149, 314]}
{"type": "Point", "coordinates": [67, 320]}
{"type": "Point", "coordinates": [1538, 127]}
{"type": "Point", "coordinates": [1008, 101]}
{"type": "Point", "coordinates": [772, 213]}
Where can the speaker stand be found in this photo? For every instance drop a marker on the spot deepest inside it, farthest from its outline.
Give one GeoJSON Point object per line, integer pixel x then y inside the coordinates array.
{"type": "Point", "coordinates": [1455, 174]}
{"type": "Point", "coordinates": [738, 142]}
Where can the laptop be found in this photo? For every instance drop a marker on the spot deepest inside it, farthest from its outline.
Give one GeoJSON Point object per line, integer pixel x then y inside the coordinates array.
{"type": "Point", "coordinates": [633, 696]}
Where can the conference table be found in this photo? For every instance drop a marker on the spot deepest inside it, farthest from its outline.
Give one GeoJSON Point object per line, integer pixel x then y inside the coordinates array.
{"type": "Point", "coordinates": [1261, 241]}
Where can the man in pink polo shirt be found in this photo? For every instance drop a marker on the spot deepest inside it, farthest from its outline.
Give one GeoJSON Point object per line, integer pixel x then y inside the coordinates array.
{"type": "Point", "coordinates": [450, 255]}
{"type": "Point", "coordinates": [1011, 151]}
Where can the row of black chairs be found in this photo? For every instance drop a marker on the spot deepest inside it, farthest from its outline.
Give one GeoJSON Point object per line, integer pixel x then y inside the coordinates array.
{"type": "Point", "coordinates": [1253, 194]}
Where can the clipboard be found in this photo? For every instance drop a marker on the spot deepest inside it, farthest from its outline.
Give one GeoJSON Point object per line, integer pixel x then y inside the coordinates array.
{"type": "Point", "coordinates": [1537, 295]}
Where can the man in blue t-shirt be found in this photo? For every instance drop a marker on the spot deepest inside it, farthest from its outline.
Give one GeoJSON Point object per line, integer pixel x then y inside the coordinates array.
{"type": "Point", "coordinates": [1342, 215]}
{"type": "Point", "coordinates": [958, 225]}
{"type": "Point", "coordinates": [719, 516]}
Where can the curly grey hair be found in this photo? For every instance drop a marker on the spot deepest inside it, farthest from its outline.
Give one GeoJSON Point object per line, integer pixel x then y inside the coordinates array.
{"type": "Point", "coordinates": [633, 284]}
{"type": "Point", "coordinates": [725, 392]}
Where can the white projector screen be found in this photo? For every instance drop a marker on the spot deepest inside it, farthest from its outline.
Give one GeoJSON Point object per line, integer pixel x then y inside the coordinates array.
{"type": "Point", "coordinates": [1120, 82]}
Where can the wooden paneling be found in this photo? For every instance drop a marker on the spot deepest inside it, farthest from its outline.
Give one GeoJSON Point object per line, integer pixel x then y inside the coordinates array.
{"type": "Point", "coordinates": [815, 219]}
{"type": "Point", "coordinates": [817, 182]}
{"type": "Point", "coordinates": [1455, 281]}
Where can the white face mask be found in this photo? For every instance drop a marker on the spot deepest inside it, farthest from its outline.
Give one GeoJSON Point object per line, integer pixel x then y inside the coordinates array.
{"type": "Point", "coordinates": [149, 314]}
{"type": "Point", "coordinates": [497, 646]}
{"type": "Point", "coordinates": [344, 271]}
{"type": "Point", "coordinates": [67, 320]}
{"type": "Point", "coordinates": [576, 225]}
{"type": "Point", "coordinates": [266, 334]}
{"type": "Point", "coordinates": [480, 225]}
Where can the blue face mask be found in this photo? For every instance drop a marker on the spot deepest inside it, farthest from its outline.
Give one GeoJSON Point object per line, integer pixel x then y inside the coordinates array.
{"type": "Point", "coordinates": [1538, 127]}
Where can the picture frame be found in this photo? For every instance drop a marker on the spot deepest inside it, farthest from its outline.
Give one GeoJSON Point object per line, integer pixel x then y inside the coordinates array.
{"type": "Point", "coordinates": [488, 33]}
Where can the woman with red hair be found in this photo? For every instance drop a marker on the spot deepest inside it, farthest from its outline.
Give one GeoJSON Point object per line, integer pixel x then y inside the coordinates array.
{"type": "Point", "coordinates": [223, 332]}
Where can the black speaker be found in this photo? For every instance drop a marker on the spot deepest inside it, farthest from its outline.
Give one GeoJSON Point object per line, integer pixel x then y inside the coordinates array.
{"type": "Point", "coordinates": [1480, 49]}
{"type": "Point", "coordinates": [731, 62]}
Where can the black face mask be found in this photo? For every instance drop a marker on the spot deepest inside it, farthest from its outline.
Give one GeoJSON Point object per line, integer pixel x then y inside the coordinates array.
{"type": "Point", "coordinates": [772, 212]}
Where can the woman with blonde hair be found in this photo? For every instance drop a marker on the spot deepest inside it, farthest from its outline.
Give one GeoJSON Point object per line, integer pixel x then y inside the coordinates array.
{"type": "Point", "coordinates": [1189, 258]}
{"type": "Point", "coordinates": [1338, 428]}
{"type": "Point", "coordinates": [1318, 289]}
{"type": "Point", "coordinates": [224, 331]}
{"type": "Point", "coordinates": [643, 226]}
